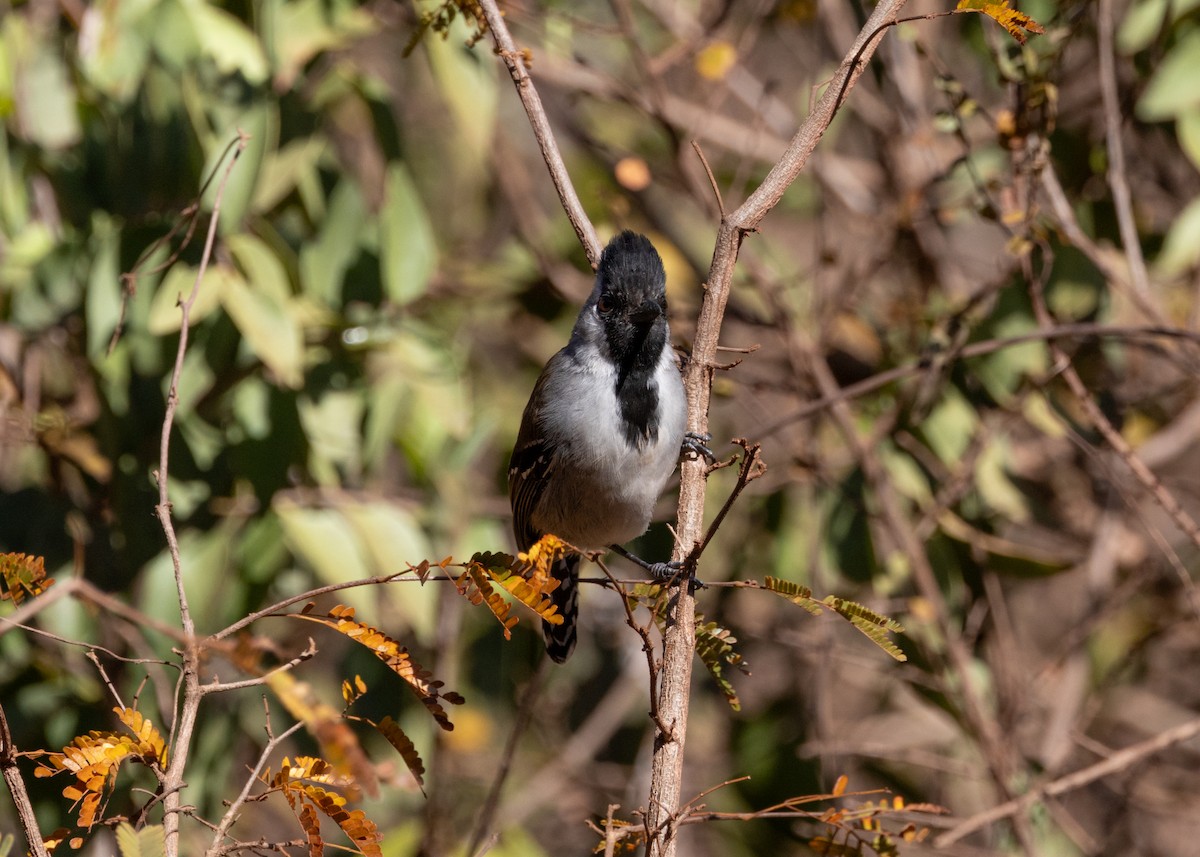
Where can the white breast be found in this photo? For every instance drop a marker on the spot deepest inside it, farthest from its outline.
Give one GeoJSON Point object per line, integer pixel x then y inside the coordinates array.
{"type": "Point", "coordinates": [603, 489]}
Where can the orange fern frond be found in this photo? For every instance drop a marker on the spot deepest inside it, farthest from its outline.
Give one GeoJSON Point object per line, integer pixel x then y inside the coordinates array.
{"type": "Point", "coordinates": [476, 587]}
{"type": "Point", "coordinates": [524, 581]}
{"type": "Point", "coordinates": [419, 680]}
{"type": "Point", "coordinates": [325, 723]}
{"type": "Point", "coordinates": [1016, 24]}
{"type": "Point", "coordinates": [395, 736]}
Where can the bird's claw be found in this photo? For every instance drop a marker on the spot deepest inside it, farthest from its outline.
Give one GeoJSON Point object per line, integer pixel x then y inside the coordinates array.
{"type": "Point", "coordinates": [696, 445]}
{"type": "Point", "coordinates": [667, 571]}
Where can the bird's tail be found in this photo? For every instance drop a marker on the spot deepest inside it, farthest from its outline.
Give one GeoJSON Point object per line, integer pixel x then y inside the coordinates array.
{"type": "Point", "coordinates": [560, 639]}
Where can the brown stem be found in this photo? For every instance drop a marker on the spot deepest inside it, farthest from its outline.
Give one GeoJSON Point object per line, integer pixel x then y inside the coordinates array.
{"type": "Point", "coordinates": [679, 637]}
{"type": "Point", "coordinates": [16, 785]}
{"type": "Point", "coordinates": [532, 102]}
{"type": "Point", "coordinates": [181, 729]}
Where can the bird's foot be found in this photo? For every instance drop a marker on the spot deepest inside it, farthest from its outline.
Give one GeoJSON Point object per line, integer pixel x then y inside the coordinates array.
{"type": "Point", "coordinates": [661, 571]}
{"type": "Point", "coordinates": [695, 445]}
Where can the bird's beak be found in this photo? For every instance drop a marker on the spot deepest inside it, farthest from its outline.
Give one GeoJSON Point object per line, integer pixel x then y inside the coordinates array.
{"type": "Point", "coordinates": [646, 313]}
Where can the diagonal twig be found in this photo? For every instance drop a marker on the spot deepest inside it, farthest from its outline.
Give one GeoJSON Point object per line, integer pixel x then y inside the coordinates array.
{"type": "Point", "coordinates": [532, 102]}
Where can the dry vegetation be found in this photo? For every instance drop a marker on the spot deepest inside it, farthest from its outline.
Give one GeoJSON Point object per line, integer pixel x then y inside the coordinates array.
{"type": "Point", "coordinates": [967, 341]}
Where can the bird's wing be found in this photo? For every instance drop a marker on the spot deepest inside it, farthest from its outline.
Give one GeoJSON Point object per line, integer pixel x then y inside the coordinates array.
{"type": "Point", "coordinates": [531, 465]}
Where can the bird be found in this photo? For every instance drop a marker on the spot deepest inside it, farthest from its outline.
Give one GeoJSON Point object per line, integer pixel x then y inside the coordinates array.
{"type": "Point", "coordinates": [604, 428]}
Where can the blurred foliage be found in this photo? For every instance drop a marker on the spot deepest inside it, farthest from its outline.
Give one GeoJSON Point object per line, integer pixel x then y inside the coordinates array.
{"type": "Point", "coordinates": [393, 269]}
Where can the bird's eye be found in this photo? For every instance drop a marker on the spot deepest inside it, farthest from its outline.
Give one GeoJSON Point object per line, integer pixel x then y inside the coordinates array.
{"type": "Point", "coordinates": [605, 305]}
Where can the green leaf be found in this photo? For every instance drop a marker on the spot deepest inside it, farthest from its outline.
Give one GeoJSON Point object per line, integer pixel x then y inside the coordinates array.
{"type": "Point", "coordinates": [114, 46]}
{"type": "Point", "coordinates": [103, 298]}
{"type": "Point", "coordinates": [949, 426]}
{"type": "Point", "coordinates": [165, 316]}
{"type": "Point", "coordinates": [229, 43]}
{"type": "Point", "coordinates": [324, 261]}
{"type": "Point", "coordinates": [1142, 25]}
{"type": "Point", "coordinates": [150, 841]}
{"type": "Point", "coordinates": [285, 168]}
{"type": "Point", "coordinates": [267, 324]}
{"type": "Point", "coordinates": [995, 485]}
{"type": "Point", "coordinates": [1173, 88]}
{"type": "Point", "coordinates": [407, 252]}
{"type": "Point", "coordinates": [263, 269]}
{"type": "Point", "coordinates": [261, 123]}
{"type": "Point", "coordinates": [326, 542]}
{"type": "Point", "coordinates": [1145, 19]}
{"type": "Point", "coordinates": [1187, 129]}
{"type": "Point", "coordinates": [1181, 247]}
{"type": "Point", "coordinates": [333, 426]}
{"type": "Point", "coordinates": [389, 534]}
{"type": "Point", "coordinates": [305, 28]}
{"type": "Point", "coordinates": [467, 81]}
{"type": "Point", "coordinates": [714, 647]}
{"type": "Point", "coordinates": [46, 100]}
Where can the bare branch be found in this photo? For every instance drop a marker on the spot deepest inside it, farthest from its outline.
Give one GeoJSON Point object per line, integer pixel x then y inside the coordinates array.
{"type": "Point", "coordinates": [679, 637]}
{"type": "Point", "coordinates": [532, 102]}
{"type": "Point", "coordinates": [16, 785]}
{"type": "Point", "coordinates": [181, 729]}
{"type": "Point", "coordinates": [1119, 761]}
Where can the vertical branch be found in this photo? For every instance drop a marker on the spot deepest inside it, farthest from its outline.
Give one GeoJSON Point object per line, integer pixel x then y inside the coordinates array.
{"type": "Point", "coordinates": [181, 729]}
{"type": "Point", "coordinates": [679, 638]}
{"type": "Point", "coordinates": [532, 102]}
{"type": "Point", "coordinates": [1117, 175]}
{"type": "Point", "coordinates": [16, 785]}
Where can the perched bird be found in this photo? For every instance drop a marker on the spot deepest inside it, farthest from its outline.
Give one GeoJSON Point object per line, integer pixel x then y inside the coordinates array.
{"type": "Point", "coordinates": [604, 427]}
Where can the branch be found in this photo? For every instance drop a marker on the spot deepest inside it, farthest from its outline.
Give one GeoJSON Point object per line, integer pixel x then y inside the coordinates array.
{"type": "Point", "coordinates": [1117, 178]}
{"type": "Point", "coordinates": [532, 102]}
{"type": "Point", "coordinates": [1165, 499]}
{"type": "Point", "coordinates": [1118, 761]}
{"type": "Point", "coordinates": [181, 729]}
{"type": "Point", "coordinates": [16, 785]}
{"type": "Point", "coordinates": [679, 636]}
{"type": "Point", "coordinates": [231, 815]}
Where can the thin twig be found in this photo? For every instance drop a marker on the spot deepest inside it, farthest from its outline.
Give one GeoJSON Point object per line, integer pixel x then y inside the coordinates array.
{"type": "Point", "coordinates": [752, 468]}
{"type": "Point", "coordinates": [712, 180]}
{"type": "Point", "coordinates": [679, 637]}
{"type": "Point", "coordinates": [1117, 176]}
{"type": "Point", "coordinates": [181, 729]}
{"type": "Point", "coordinates": [1081, 330]}
{"type": "Point", "coordinates": [231, 815]}
{"type": "Point", "coordinates": [215, 686]}
{"type": "Point", "coordinates": [532, 102]}
{"type": "Point", "coordinates": [16, 785]}
{"type": "Point", "coordinates": [1119, 761]}
{"type": "Point", "coordinates": [1165, 499]}
{"type": "Point", "coordinates": [521, 722]}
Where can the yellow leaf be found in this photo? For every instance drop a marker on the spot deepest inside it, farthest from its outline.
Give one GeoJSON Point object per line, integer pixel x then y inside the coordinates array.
{"type": "Point", "coordinates": [1016, 23]}
{"type": "Point", "coordinates": [715, 60]}
{"type": "Point", "coordinates": [839, 788]}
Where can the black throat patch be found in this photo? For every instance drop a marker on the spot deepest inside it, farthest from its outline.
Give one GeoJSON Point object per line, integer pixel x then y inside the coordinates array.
{"type": "Point", "coordinates": [637, 358]}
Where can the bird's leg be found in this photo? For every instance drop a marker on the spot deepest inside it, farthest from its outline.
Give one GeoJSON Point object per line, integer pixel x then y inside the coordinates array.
{"type": "Point", "coordinates": [696, 446]}
{"type": "Point", "coordinates": [658, 570]}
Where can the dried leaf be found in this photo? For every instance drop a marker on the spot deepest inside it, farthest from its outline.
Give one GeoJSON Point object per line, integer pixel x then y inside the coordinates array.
{"type": "Point", "coordinates": [419, 680]}
{"type": "Point", "coordinates": [1018, 24]}
{"type": "Point", "coordinates": [391, 730]}
{"type": "Point", "coordinates": [524, 581]}
{"type": "Point", "coordinates": [474, 585]}
{"type": "Point", "coordinates": [875, 626]}
{"type": "Point", "coordinates": [22, 575]}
